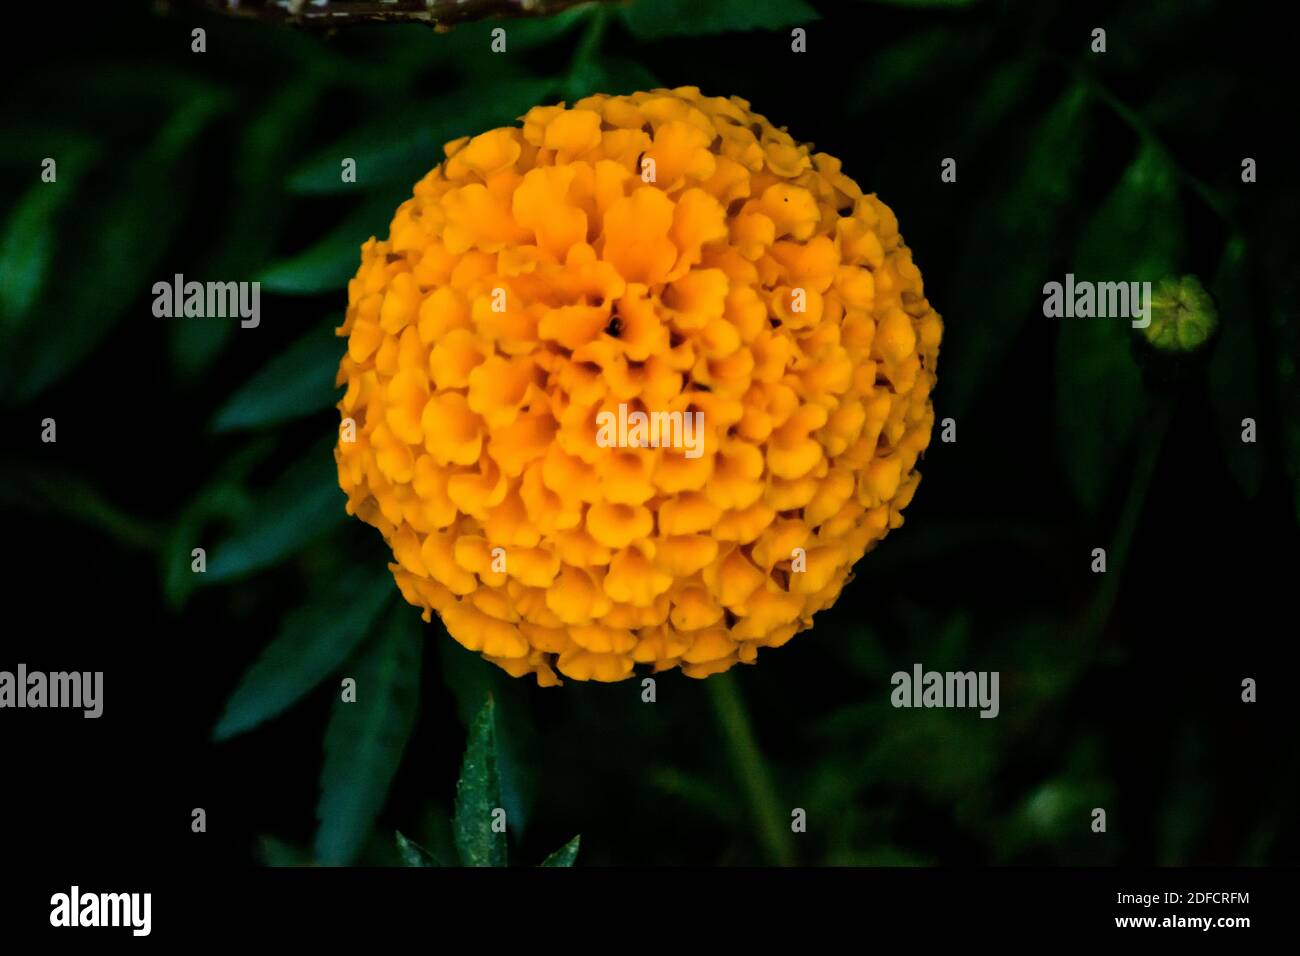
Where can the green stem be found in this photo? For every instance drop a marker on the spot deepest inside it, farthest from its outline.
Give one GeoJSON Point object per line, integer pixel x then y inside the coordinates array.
{"type": "Point", "coordinates": [751, 769]}
{"type": "Point", "coordinates": [1151, 439]}
{"type": "Point", "coordinates": [1146, 132]}
{"type": "Point", "coordinates": [74, 500]}
{"type": "Point", "coordinates": [1139, 125]}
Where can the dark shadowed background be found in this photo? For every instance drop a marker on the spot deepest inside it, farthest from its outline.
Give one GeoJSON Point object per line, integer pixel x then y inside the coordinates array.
{"type": "Point", "coordinates": [1120, 691]}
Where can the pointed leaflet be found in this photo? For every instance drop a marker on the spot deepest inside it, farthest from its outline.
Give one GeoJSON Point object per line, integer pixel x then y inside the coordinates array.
{"type": "Point", "coordinates": [312, 643]}
{"type": "Point", "coordinates": [469, 40]}
{"type": "Point", "coordinates": [223, 499]}
{"type": "Point", "coordinates": [365, 738]}
{"type": "Point", "coordinates": [478, 796]}
{"type": "Point", "coordinates": [29, 237]}
{"type": "Point", "coordinates": [1011, 250]}
{"type": "Point", "coordinates": [277, 852]}
{"type": "Point", "coordinates": [653, 19]}
{"type": "Point", "coordinates": [1098, 404]}
{"type": "Point", "coordinates": [889, 75]}
{"type": "Point", "coordinates": [565, 855]}
{"type": "Point", "coordinates": [612, 75]}
{"type": "Point", "coordinates": [1134, 236]}
{"type": "Point", "coordinates": [327, 264]}
{"type": "Point", "coordinates": [413, 854]}
{"type": "Point", "coordinates": [1137, 233]}
{"type": "Point", "coordinates": [406, 143]}
{"type": "Point", "coordinates": [594, 70]}
{"type": "Point", "coordinates": [298, 381]}
{"type": "Point", "coordinates": [383, 64]}
{"type": "Point", "coordinates": [298, 507]}
{"type": "Point", "coordinates": [122, 234]}
{"type": "Point", "coordinates": [470, 679]}
{"type": "Point", "coordinates": [254, 218]}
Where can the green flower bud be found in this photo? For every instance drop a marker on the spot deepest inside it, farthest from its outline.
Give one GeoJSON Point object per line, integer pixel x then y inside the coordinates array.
{"type": "Point", "coordinates": [1183, 316]}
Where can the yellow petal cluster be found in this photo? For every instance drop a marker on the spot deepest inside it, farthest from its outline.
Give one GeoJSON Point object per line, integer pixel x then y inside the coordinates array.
{"type": "Point", "coordinates": [664, 252]}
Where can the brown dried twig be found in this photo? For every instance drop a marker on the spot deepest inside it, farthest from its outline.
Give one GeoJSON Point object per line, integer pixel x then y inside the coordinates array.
{"type": "Point", "coordinates": [336, 13]}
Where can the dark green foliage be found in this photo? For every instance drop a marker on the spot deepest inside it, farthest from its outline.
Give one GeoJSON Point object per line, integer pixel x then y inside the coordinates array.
{"type": "Point", "coordinates": [365, 739]}
{"type": "Point", "coordinates": [314, 641]}
{"type": "Point", "coordinates": [1119, 691]}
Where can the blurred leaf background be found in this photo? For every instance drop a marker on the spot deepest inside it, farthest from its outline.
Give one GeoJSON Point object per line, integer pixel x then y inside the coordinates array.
{"type": "Point", "coordinates": [1119, 691]}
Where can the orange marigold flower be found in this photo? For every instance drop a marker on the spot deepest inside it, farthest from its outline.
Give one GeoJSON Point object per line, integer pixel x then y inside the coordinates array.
{"type": "Point", "coordinates": [659, 258]}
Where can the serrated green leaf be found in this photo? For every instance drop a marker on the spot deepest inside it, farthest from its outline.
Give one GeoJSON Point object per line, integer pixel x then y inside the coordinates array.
{"type": "Point", "coordinates": [365, 739]}
{"type": "Point", "coordinates": [401, 148]}
{"type": "Point", "coordinates": [300, 506]}
{"type": "Point", "coordinates": [297, 382]}
{"type": "Point", "coordinates": [478, 796]}
{"type": "Point", "coordinates": [654, 19]}
{"type": "Point", "coordinates": [565, 855]}
{"type": "Point", "coordinates": [313, 642]}
{"type": "Point", "coordinates": [413, 854]}
{"type": "Point", "coordinates": [470, 679]}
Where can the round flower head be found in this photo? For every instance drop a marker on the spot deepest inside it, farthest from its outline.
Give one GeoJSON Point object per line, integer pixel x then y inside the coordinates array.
{"type": "Point", "coordinates": [636, 383]}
